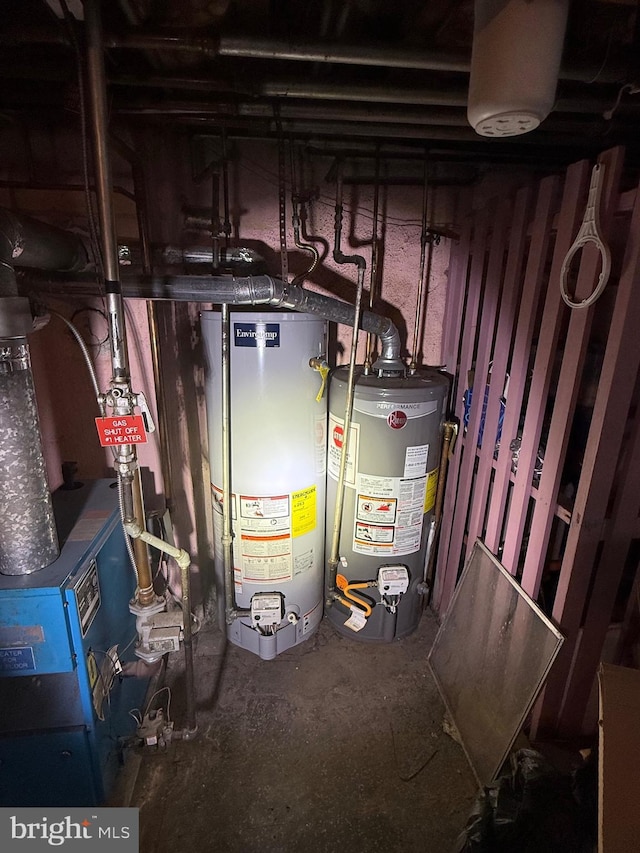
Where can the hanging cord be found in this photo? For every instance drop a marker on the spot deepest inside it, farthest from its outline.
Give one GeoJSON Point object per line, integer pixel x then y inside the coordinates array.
{"type": "Point", "coordinates": [631, 88]}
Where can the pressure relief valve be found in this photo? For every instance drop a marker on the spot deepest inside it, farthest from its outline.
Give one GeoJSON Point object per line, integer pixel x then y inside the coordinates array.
{"type": "Point", "coordinates": [393, 582]}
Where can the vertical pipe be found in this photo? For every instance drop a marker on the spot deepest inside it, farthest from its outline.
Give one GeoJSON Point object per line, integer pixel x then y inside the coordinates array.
{"type": "Point", "coordinates": [189, 679]}
{"type": "Point", "coordinates": [227, 515]}
{"type": "Point", "coordinates": [139, 190]}
{"type": "Point", "coordinates": [413, 366]}
{"type": "Point", "coordinates": [225, 190]}
{"type": "Point", "coordinates": [126, 462]}
{"type": "Point", "coordinates": [340, 258]}
{"type": "Point", "coordinates": [374, 262]}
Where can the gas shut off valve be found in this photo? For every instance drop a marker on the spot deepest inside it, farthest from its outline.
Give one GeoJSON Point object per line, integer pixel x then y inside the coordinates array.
{"type": "Point", "coordinates": [393, 582]}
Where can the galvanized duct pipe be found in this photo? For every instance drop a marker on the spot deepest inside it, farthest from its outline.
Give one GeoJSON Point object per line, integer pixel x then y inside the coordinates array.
{"type": "Point", "coordinates": [28, 538]}
{"type": "Point", "coordinates": [264, 290]}
{"type": "Point", "coordinates": [25, 242]}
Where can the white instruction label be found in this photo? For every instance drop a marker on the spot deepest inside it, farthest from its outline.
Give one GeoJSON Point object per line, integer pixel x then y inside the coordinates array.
{"type": "Point", "coordinates": [357, 620]}
{"type": "Point", "coordinates": [415, 460]}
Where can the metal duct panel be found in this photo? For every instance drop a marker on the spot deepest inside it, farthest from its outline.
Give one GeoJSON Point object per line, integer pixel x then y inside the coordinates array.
{"type": "Point", "coordinates": [28, 538]}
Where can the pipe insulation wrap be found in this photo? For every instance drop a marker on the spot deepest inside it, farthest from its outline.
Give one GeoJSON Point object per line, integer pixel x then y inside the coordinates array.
{"type": "Point", "coordinates": [25, 242]}
{"type": "Point", "coordinates": [28, 538]}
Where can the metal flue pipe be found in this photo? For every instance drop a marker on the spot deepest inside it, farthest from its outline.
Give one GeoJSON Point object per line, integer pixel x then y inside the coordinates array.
{"type": "Point", "coordinates": [28, 536]}
{"type": "Point", "coordinates": [265, 290]}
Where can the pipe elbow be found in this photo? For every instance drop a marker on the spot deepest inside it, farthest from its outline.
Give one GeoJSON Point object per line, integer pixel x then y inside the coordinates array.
{"type": "Point", "coordinates": [358, 260]}
{"type": "Point", "coordinates": [183, 559]}
{"type": "Point", "coordinates": [133, 529]}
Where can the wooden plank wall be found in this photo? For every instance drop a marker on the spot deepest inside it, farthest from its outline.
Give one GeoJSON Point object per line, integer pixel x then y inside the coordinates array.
{"type": "Point", "coordinates": [563, 383]}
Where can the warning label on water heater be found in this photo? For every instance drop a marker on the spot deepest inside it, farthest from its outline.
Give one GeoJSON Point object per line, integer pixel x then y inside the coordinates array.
{"type": "Point", "coordinates": [388, 514]}
{"type": "Point", "coordinates": [269, 533]}
{"type": "Point", "coordinates": [265, 538]}
{"type": "Point", "coordinates": [334, 452]}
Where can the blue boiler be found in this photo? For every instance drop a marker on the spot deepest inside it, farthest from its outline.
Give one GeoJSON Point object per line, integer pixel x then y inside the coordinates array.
{"type": "Point", "coordinates": [65, 632]}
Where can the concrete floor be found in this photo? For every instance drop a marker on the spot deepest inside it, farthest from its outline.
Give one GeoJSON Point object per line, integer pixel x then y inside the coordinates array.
{"type": "Point", "coordinates": [333, 746]}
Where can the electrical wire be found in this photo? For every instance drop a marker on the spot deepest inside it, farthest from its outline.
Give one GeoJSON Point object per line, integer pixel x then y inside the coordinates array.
{"type": "Point", "coordinates": [128, 646]}
{"type": "Point", "coordinates": [161, 690]}
{"type": "Point", "coordinates": [106, 688]}
{"type": "Point", "coordinates": [87, 356]}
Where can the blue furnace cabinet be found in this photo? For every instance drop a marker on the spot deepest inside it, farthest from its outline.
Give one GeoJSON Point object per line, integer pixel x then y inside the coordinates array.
{"type": "Point", "coordinates": [64, 633]}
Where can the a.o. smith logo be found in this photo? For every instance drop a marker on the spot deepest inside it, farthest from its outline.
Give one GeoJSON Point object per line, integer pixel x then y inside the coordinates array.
{"type": "Point", "coordinates": [40, 829]}
{"type": "Point", "coordinates": [256, 334]}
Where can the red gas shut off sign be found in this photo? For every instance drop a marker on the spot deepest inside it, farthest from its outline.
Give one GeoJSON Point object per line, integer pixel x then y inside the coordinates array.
{"type": "Point", "coordinates": [125, 429]}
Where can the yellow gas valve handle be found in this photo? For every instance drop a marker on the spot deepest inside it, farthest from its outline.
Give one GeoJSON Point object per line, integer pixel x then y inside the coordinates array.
{"type": "Point", "coordinates": [322, 367]}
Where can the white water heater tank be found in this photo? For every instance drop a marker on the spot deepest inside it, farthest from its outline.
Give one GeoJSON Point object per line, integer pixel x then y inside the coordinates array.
{"type": "Point", "coordinates": [515, 61]}
{"type": "Point", "coordinates": [278, 467]}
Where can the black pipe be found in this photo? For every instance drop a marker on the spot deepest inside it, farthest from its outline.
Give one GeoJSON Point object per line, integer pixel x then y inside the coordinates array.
{"type": "Point", "coordinates": [25, 242]}
{"type": "Point", "coordinates": [338, 256]}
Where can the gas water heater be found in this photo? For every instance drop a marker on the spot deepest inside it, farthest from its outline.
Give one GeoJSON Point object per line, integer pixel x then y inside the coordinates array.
{"type": "Point", "coordinates": [393, 457]}
{"type": "Point", "coordinates": [278, 466]}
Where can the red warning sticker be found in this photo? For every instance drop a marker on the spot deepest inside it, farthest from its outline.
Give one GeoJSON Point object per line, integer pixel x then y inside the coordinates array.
{"type": "Point", "coordinates": [338, 435]}
{"type": "Point", "coordinates": [124, 429]}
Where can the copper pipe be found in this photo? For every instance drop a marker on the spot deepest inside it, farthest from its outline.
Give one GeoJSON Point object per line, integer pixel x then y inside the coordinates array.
{"type": "Point", "coordinates": [450, 430]}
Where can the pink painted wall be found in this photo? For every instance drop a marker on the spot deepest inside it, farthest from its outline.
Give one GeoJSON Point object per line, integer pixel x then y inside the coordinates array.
{"type": "Point", "coordinates": [254, 204]}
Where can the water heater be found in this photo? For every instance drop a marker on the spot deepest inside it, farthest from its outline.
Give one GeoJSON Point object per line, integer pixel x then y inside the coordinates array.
{"type": "Point", "coordinates": [390, 487]}
{"type": "Point", "coordinates": [278, 467]}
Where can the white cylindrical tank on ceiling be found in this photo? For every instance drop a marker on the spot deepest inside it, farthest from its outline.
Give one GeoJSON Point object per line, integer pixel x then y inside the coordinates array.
{"type": "Point", "coordinates": [390, 489]}
{"type": "Point", "coordinates": [278, 467]}
{"type": "Point", "coordinates": [515, 61]}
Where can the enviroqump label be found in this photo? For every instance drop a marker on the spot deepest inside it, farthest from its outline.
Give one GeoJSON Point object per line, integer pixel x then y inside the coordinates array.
{"type": "Point", "coordinates": [256, 334]}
